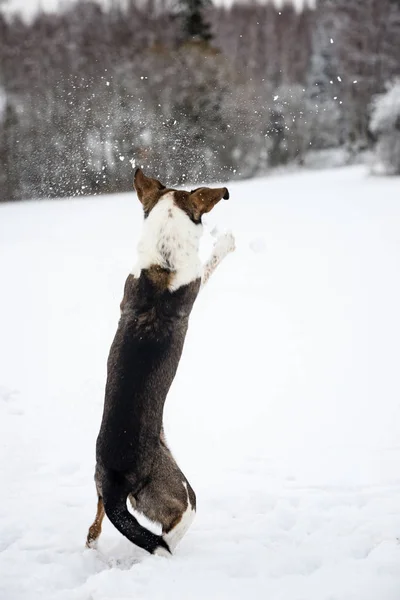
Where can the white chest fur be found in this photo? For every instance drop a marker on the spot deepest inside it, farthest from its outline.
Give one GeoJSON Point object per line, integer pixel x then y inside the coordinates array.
{"type": "Point", "coordinates": [170, 240]}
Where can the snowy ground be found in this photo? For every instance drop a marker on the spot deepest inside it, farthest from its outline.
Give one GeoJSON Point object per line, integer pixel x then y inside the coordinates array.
{"type": "Point", "coordinates": [285, 413]}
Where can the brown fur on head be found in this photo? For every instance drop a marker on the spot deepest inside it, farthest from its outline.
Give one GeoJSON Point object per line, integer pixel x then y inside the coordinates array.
{"type": "Point", "coordinates": [194, 203]}
{"type": "Point", "coordinates": [148, 190]}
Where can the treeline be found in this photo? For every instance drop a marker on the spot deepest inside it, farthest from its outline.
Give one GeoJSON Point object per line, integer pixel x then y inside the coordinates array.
{"type": "Point", "coordinates": [192, 91]}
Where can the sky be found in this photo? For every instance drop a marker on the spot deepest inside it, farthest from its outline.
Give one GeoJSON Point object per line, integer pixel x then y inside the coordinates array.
{"type": "Point", "coordinates": [29, 7]}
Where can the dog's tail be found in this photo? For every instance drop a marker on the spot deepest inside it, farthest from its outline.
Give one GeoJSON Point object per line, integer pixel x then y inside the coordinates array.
{"type": "Point", "coordinates": [115, 490]}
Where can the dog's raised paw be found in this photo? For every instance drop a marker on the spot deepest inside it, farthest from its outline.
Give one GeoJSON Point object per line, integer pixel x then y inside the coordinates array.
{"type": "Point", "coordinates": [226, 243]}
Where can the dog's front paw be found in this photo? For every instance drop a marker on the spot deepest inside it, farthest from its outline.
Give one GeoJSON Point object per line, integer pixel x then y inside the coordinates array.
{"type": "Point", "coordinates": [225, 243]}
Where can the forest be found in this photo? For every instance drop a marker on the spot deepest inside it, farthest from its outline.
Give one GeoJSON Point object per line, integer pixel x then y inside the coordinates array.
{"type": "Point", "coordinates": [192, 91]}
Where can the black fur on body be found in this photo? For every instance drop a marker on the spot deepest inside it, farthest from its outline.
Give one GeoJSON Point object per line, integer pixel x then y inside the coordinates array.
{"type": "Point", "coordinates": [132, 457]}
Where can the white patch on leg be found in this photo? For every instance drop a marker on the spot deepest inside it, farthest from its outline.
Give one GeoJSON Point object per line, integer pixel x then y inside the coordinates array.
{"type": "Point", "coordinates": [170, 240]}
{"type": "Point", "coordinates": [162, 552]}
{"type": "Point", "coordinates": [174, 536]}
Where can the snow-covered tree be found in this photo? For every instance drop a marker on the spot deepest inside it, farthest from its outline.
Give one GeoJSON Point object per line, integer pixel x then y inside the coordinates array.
{"type": "Point", "coordinates": [366, 44]}
{"type": "Point", "coordinates": [96, 83]}
{"type": "Point", "coordinates": [385, 124]}
{"type": "Point", "coordinates": [324, 80]}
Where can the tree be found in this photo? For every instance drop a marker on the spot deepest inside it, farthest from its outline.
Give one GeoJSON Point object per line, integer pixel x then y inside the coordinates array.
{"type": "Point", "coordinates": [385, 124]}
{"type": "Point", "coordinates": [186, 116]}
{"type": "Point", "coordinates": [8, 153]}
{"type": "Point", "coordinates": [367, 49]}
{"type": "Point", "coordinates": [194, 24]}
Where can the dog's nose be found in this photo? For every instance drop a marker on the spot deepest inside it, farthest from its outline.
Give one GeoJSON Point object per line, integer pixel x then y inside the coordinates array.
{"type": "Point", "coordinates": [226, 194]}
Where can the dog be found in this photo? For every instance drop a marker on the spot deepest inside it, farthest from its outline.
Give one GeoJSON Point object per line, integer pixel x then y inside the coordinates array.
{"type": "Point", "coordinates": [133, 460]}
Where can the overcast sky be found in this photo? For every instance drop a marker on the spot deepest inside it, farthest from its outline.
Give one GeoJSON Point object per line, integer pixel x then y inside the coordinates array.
{"type": "Point", "coordinates": [29, 7]}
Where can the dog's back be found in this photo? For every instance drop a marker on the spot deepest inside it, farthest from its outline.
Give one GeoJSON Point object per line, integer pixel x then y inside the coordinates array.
{"type": "Point", "coordinates": [142, 363]}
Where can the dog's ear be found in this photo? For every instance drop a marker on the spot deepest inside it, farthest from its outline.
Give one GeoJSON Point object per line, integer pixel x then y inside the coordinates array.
{"type": "Point", "coordinates": [148, 189]}
{"type": "Point", "coordinates": [204, 199]}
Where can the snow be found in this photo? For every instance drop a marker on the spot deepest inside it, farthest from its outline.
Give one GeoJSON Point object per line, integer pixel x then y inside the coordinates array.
{"type": "Point", "coordinates": [284, 415]}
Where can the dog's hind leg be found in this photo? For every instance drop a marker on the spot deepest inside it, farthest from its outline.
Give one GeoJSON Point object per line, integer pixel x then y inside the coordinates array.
{"type": "Point", "coordinates": [168, 499]}
{"type": "Point", "coordinates": [95, 528]}
{"type": "Point", "coordinates": [184, 518]}
{"type": "Point", "coordinates": [173, 509]}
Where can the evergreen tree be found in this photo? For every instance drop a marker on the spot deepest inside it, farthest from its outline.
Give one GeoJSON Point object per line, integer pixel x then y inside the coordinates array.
{"type": "Point", "coordinates": [194, 24]}
{"type": "Point", "coordinates": [9, 164]}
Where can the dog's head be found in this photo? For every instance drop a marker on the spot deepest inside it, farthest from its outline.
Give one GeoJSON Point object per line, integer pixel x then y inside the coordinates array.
{"type": "Point", "coordinates": [194, 203]}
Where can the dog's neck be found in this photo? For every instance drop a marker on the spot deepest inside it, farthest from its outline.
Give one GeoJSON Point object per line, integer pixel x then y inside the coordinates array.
{"type": "Point", "coordinates": [170, 240]}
